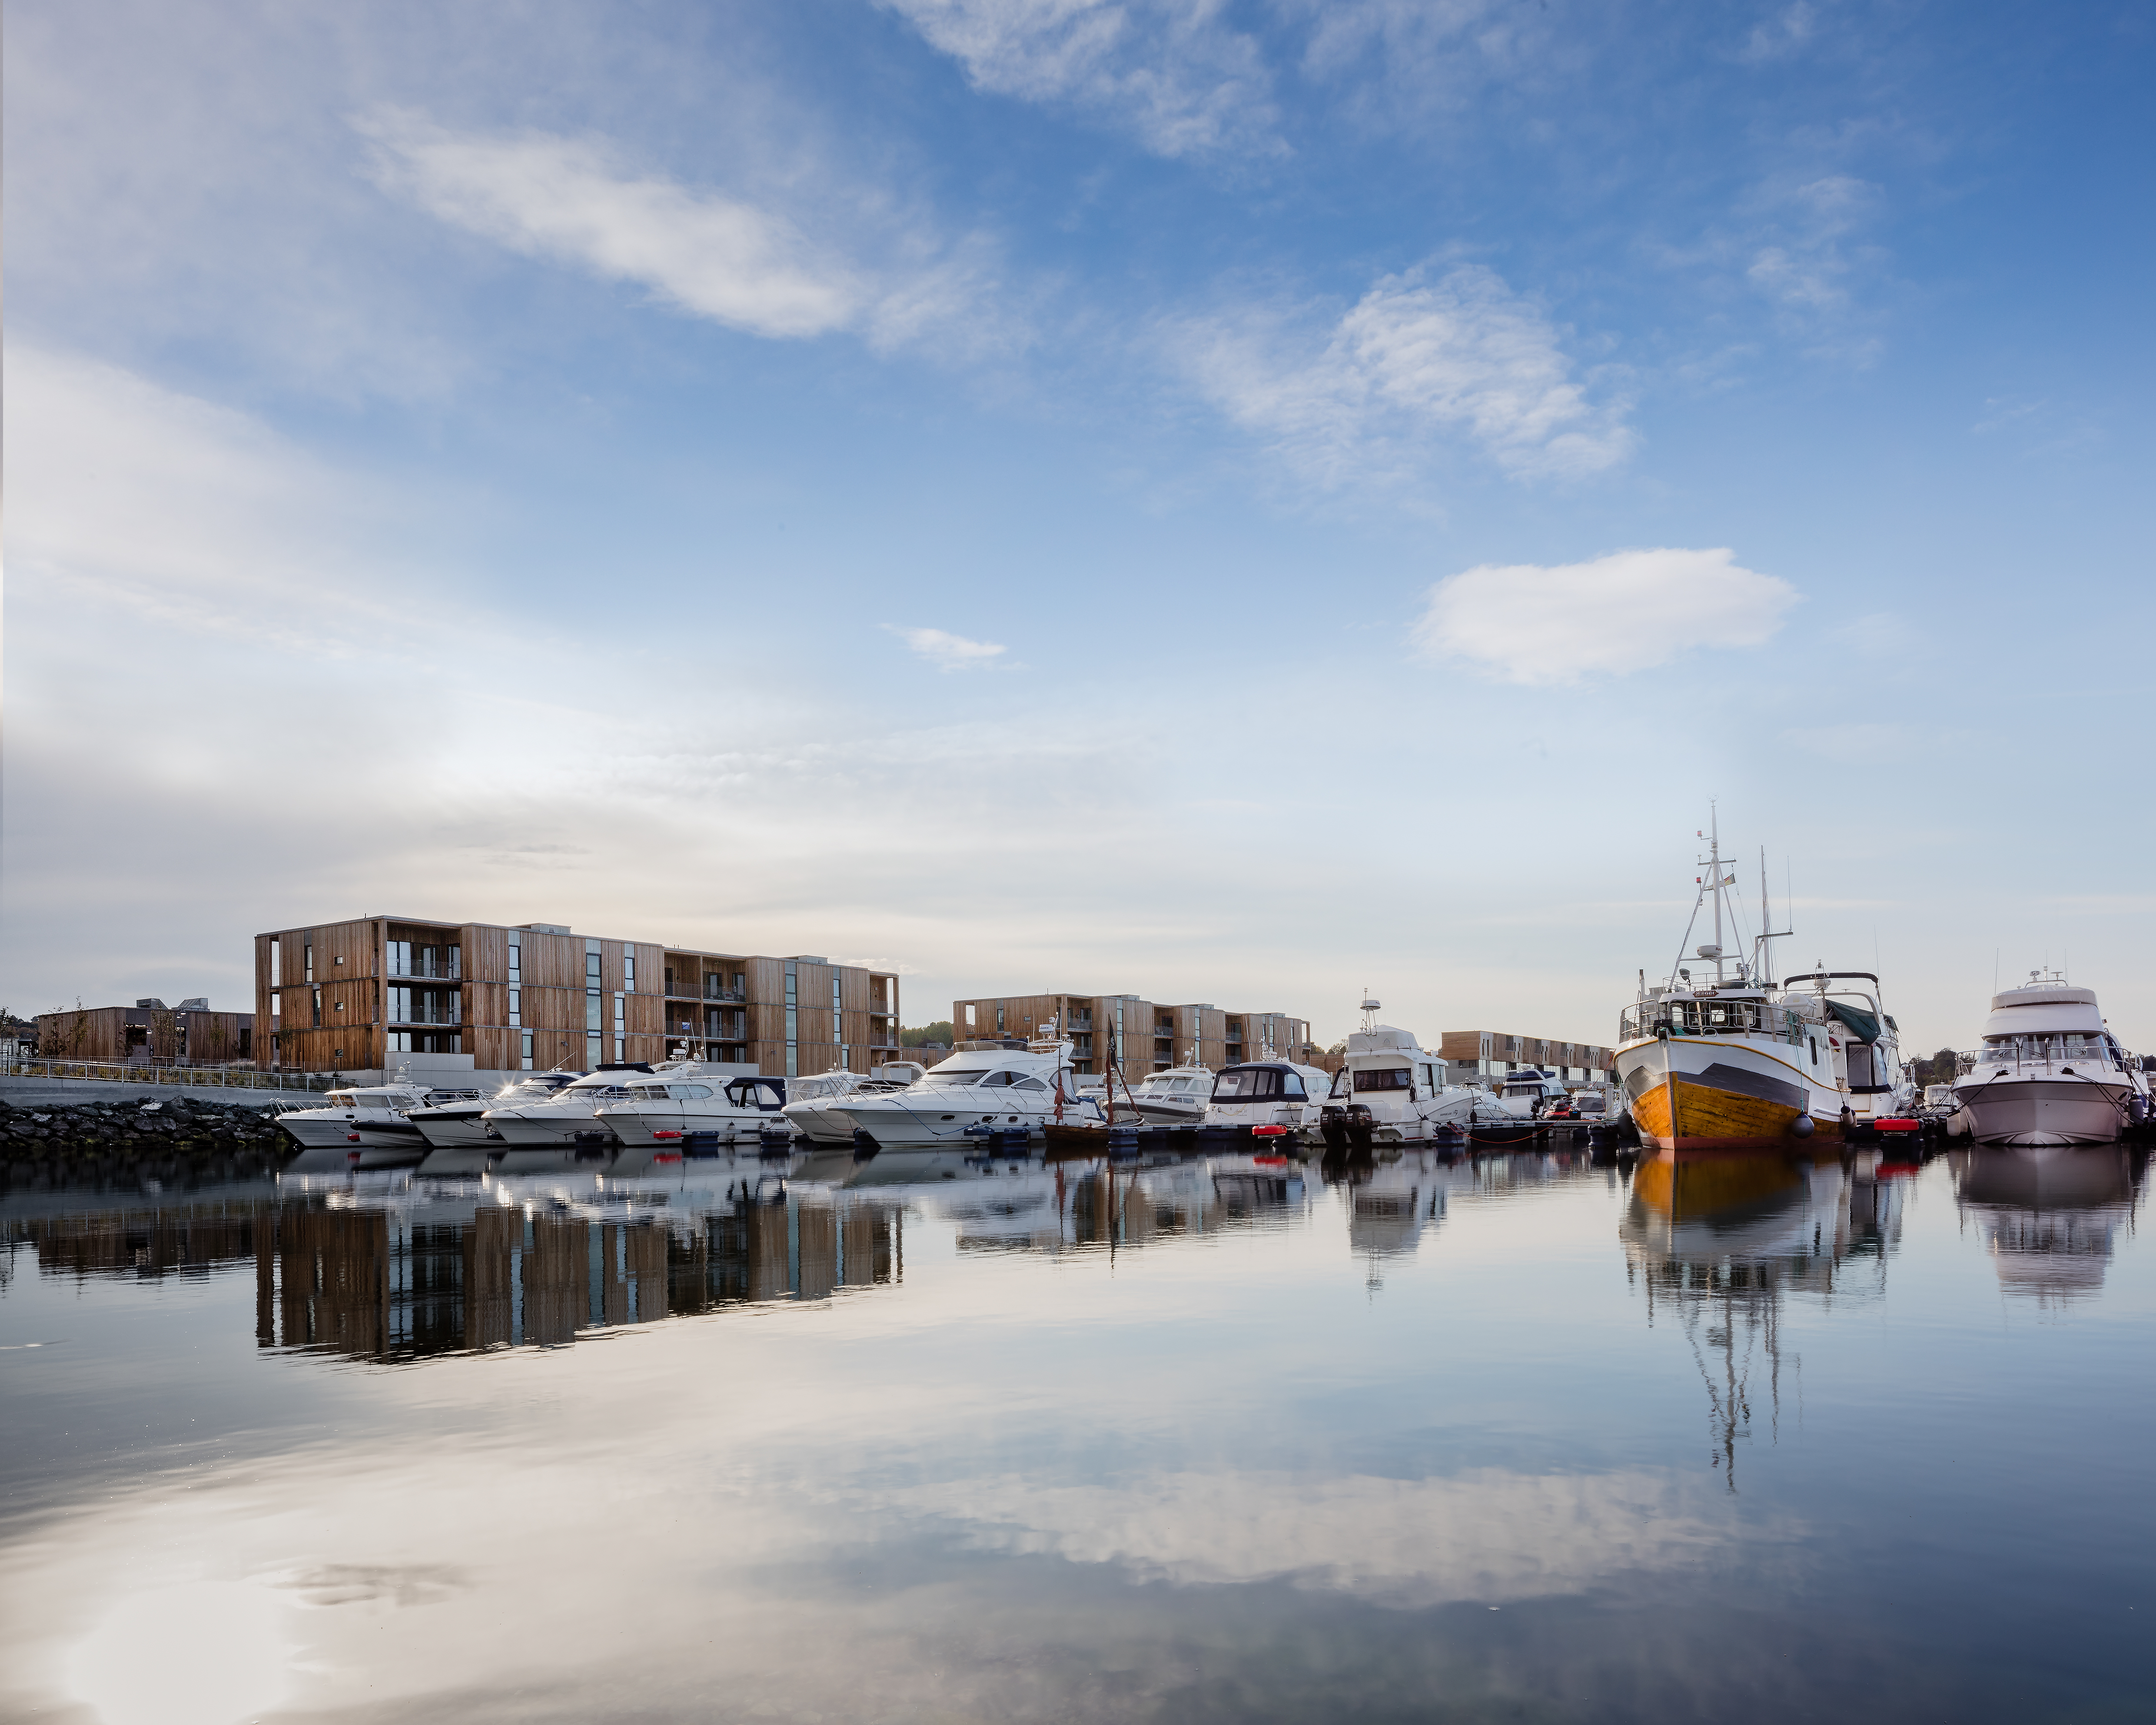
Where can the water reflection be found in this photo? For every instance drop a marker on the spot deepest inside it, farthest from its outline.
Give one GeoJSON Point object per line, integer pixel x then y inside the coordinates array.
{"type": "Point", "coordinates": [2048, 1217]}
{"type": "Point", "coordinates": [1721, 1239]}
{"type": "Point", "coordinates": [1396, 1196]}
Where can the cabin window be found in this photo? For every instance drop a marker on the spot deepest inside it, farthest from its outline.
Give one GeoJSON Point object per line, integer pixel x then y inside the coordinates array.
{"type": "Point", "coordinates": [1237, 1086]}
{"type": "Point", "coordinates": [1384, 1078]}
{"type": "Point", "coordinates": [1029, 1084]}
{"type": "Point", "coordinates": [1291, 1084]}
{"type": "Point", "coordinates": [1863, 1067]}
{"type": "Point", "coordinates": [968, 1076]}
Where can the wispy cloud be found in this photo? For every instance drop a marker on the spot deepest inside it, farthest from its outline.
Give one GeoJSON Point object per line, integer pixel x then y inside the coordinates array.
{"type": "Point", "coordinates": [1785, 33]}
{"type": "Point", "coordinates": [1414, 361]}
{"type": "Point", "coordinates": [1629, 611]}
{"type": "Point", "coordinates": [1173, 72]}
{"type": "Point", "coordinates": [946, 651]}
{"type": "Point", "coordinates": [716, 256]}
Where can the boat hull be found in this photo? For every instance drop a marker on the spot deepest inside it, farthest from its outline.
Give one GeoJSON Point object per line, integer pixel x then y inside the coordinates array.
{"type": "Point", "coordinates": [456, 1132]}
{"type": "Point", "coordinates": [1701, 1094]}
{"type": "Point", "coordinates": [2034, 1112]}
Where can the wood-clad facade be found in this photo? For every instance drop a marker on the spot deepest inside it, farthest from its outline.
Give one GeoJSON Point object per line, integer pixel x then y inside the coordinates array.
{"type": "Point", "coordinates": [1494, 1053]}
{"type": "Point", "coordinates": [149, 1030]}
{"type": "Point", "coordinates": [360, 995]}
{"type": "Point", "coordinates": [1146, 1035]}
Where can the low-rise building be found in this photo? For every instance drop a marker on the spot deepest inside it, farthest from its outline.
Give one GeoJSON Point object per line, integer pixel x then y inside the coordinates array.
{"type": "Point", "coordinates": [1492, 1054]}
{"type": "Point", "coordinates": [189, 1033]}
{"type": "Point", "coordinates": [1144, 1036]}
{"type": "Point", "coordinates": [370, 992]}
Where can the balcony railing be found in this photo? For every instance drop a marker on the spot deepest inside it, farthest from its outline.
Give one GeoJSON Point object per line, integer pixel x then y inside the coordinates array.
{"type": "Point", "coordinates": [427, 965]}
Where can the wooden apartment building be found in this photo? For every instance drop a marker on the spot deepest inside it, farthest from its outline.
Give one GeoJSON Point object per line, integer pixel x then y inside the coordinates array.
{"type": "Point", "coordinates": [1148, 1036]}
{"type": "Point", "coordinates": [360, 995]}
{"type": "Point", "coordinates": [1494, 1053]}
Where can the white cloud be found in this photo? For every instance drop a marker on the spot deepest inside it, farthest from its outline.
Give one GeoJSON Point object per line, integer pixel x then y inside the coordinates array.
{"type": "Point", "coordinates": [1172, 71]}
{"type": "Point", "coordinates": [946, 651]}
{"type": "Point", "coordinates": [1413, 360]}
{"type": "Point", "coordinates": [1407, 1543]}
{"type": "Point", "coordinates": [1783, 34]}
{"type": "Point", "coordinates": [716, 257]}
{"type": "Point", "coordinates": [1627, 612]}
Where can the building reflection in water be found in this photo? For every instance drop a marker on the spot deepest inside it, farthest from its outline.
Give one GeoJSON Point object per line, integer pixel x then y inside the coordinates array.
{"type": "Point", "coordinates": [1719, 1241]}
{"type": "Point", "coordinates": [2048, 1217]}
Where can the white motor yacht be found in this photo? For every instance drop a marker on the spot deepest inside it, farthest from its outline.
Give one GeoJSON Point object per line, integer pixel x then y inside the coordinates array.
{"type": "Point", "coordinates": [1737, 1061]}
{"type": "Point", "coordinates": [1270, 1098]}
{"type": "Point", "coordinates": [999, 1087]}
{"type": "Point", "coordinates": [1175, 1097]}
{"type": "Point", "coordinates": [2048, 1073]}
{"type": "Point", "coordinates": [568, 1115]}
{"type": "Point", "coordinates": [1391, 1090]}
{"type": "Point", "coordinates": [1528, 1091]}
{"type": "Point", "coordinates": [814, 1106]}
{"type": "Point", "coordinates": [370, 1121]}
{"type": "Point", "coordinates": [458, 1121]}
{"type": "Point", "coordinates": [665, 1110]}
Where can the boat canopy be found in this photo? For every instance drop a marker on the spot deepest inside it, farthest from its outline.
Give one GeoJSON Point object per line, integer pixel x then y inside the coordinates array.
{"type": "Point", "coordinates": [1862, 1025]}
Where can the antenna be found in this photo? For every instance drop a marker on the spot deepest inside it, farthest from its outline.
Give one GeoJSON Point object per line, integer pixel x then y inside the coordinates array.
{"type": "Point", "coordinates": [1370, 1010]}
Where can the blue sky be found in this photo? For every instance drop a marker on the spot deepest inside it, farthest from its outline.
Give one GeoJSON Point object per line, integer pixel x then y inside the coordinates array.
{"type": "Point", "coordinates": [1241, 502]}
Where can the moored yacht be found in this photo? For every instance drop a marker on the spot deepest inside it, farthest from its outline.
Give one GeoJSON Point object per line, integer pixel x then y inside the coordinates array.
{"type": "Point", "coordinates": [458, 1121]}
{"type": "Point", "coordinates": [984, 1086]}
{"type": "Point", "coordinates": [1391, 1090]}
{"type": "Point", "coordinates": [2049, 1072]}
{"type": "Point", "coordinates": [815, 1105]}
{"type": "Point", "coordinates": [568, 1115]}
{"type": "Point", "coordinates": [1270, 1098]}
{"type": "Point", "coordinates": [369, 1121]}
{"type": "Point", "coordinates": [662, 1110]}
{"type": "Point", "coordinates": [1177, 1096]}
{"type": "Point", "coordinates": [1737, 1061]}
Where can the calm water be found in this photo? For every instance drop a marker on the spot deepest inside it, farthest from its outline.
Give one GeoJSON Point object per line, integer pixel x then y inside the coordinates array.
{"type": "Point", "coordinates": [1516, 1438]}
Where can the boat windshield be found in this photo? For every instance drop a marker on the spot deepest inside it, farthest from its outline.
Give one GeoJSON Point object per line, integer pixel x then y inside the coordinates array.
{"type": "Point", "coordinates": [2068, 1045]}
{"type": "Point", "coordinates": [969, 1075]}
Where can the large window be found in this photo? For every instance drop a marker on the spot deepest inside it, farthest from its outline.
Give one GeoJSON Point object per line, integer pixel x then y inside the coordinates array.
{"type": "Point", "coordinates": [629, 970]}
{"type": "Point", "coordinates": [1247, 1085]}
{"type": "Point", "coordinates": [515, 959]}
{"type": "Point", "coordinates": [527, 1050]}
{"type": "Point", "coordinates": [515, 1007]}
{"type": "Point", "coordinates": [591, 1011]}
{"type": "Point", "coordinates": [1385, 1078]}
{"type": "Point", "coordinates": [591, 1052]}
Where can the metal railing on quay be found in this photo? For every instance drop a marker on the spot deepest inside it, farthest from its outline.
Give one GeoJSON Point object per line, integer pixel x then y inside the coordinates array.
{"type": "Point", "coordinates": [164, 1073]}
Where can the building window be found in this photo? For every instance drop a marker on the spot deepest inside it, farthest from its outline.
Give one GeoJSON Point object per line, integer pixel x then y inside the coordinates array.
{"type": "Point", "coordinates": [629, 970]}
{"type": "Point", "coordinates": [318, 1009]}
{"type": "Point", "coordinates": [591, 1011]}
{"type": "Point", "coordinates": [619, 1001]}
{"type": "Point", "coordinates": [972, 1023]}
{"type": "Point", "coordinates": [527, 1050]}
{"type": "Point", "coordinates": [515, 959]}
{"type": "Point", "coordinates": [516, 1008]}
{"type": "Point", "coordinates": [307, 952]}
{"type": "Point", "coordinates": [592, 1051]}
{"type": "Point", "coordinates": [276, 962]}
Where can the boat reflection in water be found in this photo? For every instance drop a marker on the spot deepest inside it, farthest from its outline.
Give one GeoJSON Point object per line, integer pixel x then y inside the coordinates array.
{"type": "Point", "coordinates": [1026, 1204]}
{"type": "Point", "coordinates": [2048, 1216]}
{"type": "Point", "coordinates": [1394, 1195]}
{"type": "Point", "coordinates": [1720, 1238]}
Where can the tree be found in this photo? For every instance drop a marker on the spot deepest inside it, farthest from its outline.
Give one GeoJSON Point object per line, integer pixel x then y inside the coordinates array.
{"type": "Point", "coordinates": [922, 1034]}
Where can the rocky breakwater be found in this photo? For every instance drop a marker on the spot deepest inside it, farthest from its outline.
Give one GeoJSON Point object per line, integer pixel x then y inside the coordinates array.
{"type": "Point", "coordinates": [189, 1138]}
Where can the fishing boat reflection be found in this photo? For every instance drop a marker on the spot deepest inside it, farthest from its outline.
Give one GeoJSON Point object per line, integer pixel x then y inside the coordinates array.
{"type": "Point", "coordinates": [1719, 1240]}
{"type": "Point", "coordinates": [2048, 1216]}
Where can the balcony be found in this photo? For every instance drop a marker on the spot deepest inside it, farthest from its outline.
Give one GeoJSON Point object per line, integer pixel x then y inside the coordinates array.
{"type": "Point", "coordinates": [434, 966]}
